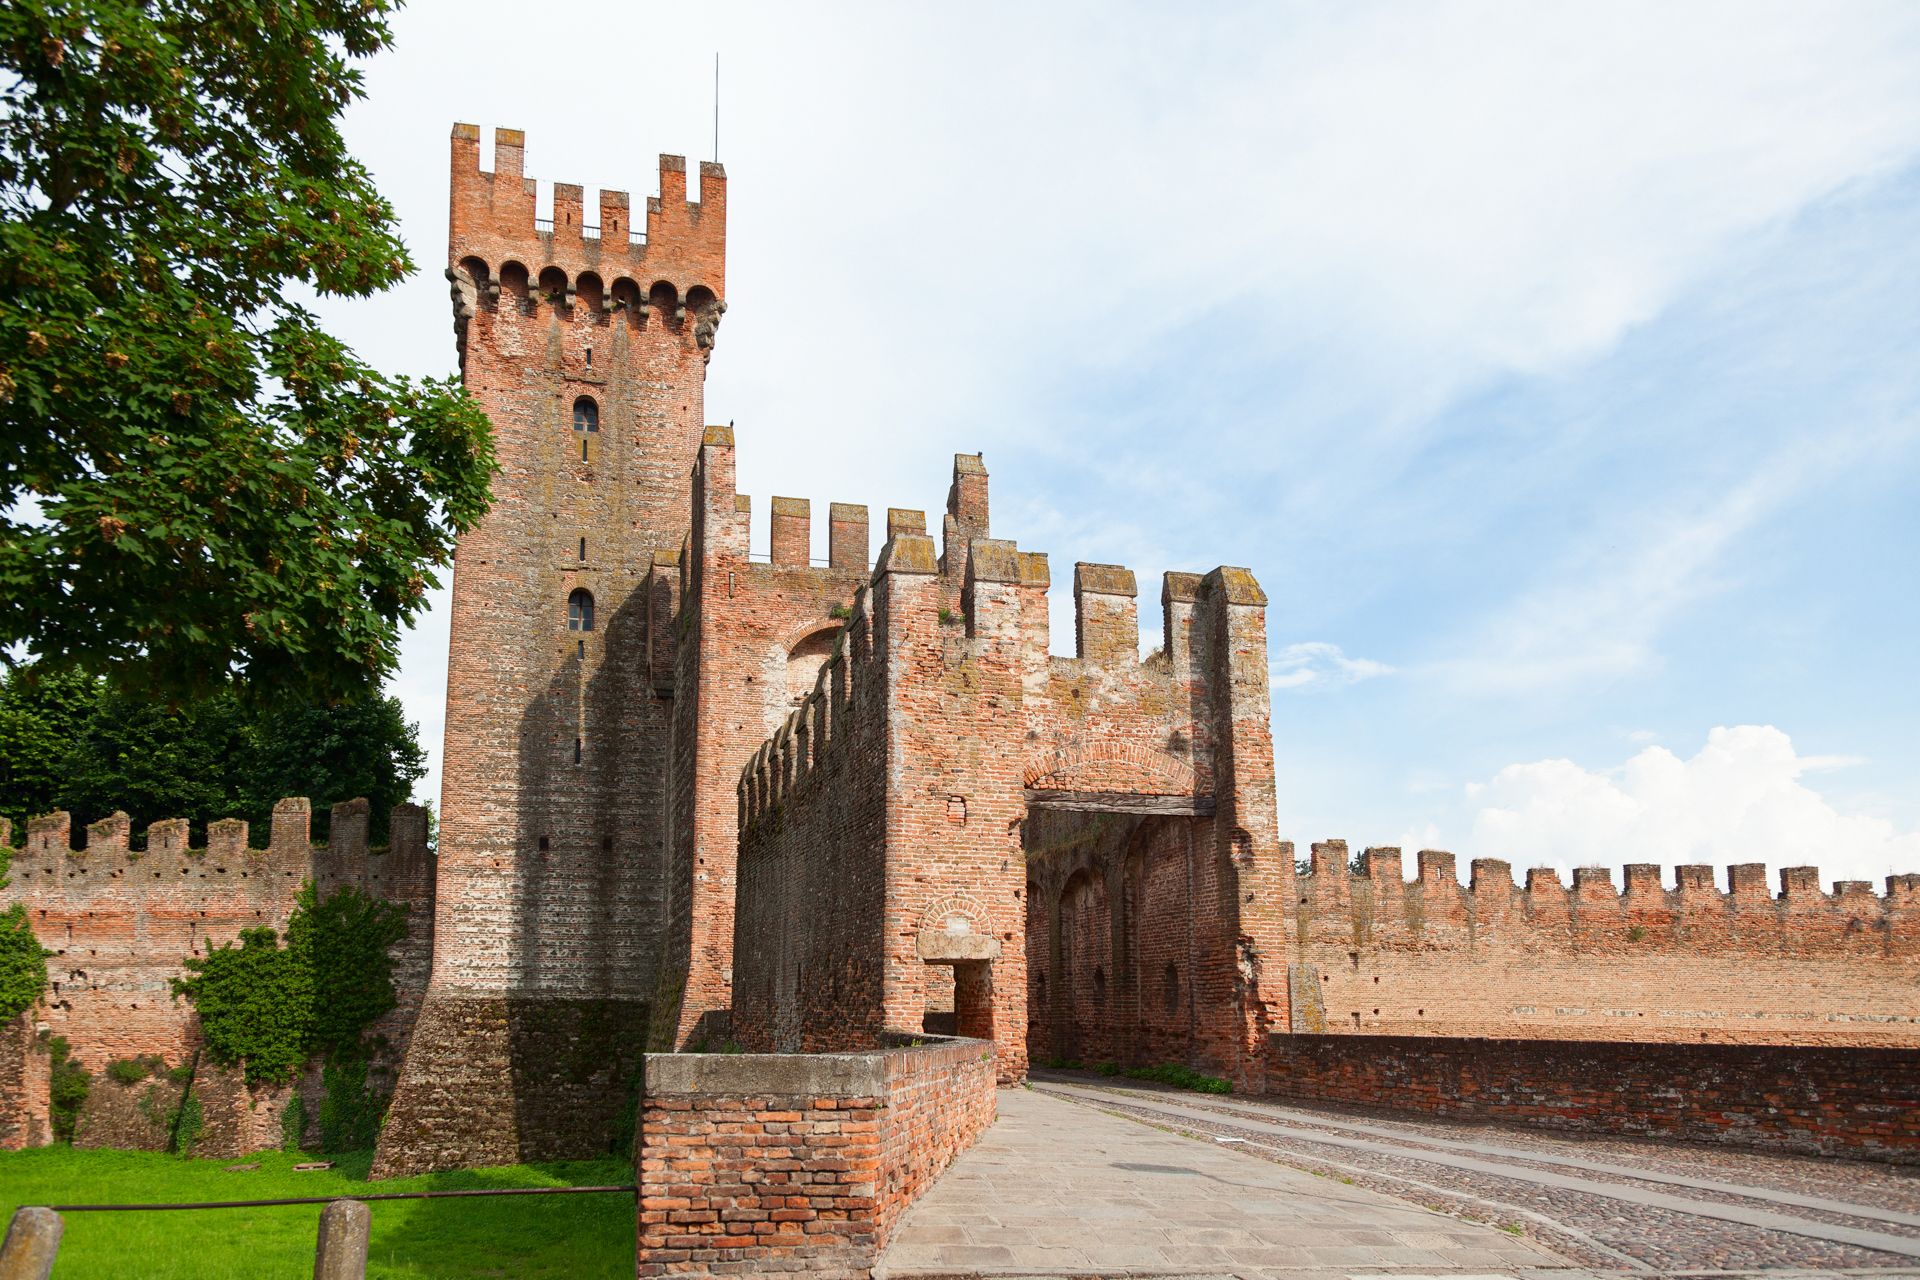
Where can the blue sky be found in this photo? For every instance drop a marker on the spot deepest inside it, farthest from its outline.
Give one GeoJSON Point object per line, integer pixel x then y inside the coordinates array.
{"type": "Point", "coordinates": [1552, 366]}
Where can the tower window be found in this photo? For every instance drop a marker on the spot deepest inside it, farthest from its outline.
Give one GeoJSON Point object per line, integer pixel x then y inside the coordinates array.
{"type": "Point", "coordinates": [580, 610]}
{"type": "Point", "coordinates": [583, 548]}
{"type": "Point", "coordinates": [576, 751]}
{"type": "Point", "coordinates": [586, 414]}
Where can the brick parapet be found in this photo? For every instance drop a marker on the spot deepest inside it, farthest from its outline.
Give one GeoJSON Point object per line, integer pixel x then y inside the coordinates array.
{"type": "Point", "coordinates": [797, 1163]}
{"type": "Point", "coordinates": [1590, 960]}
{"type": "Point", "coordinates": [1857, 1102]}
{"type": "Point", "coordinates": [122, 919]}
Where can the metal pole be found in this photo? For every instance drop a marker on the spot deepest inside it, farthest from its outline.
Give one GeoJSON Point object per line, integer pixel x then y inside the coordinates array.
{"type": "Point", "coordinates": [33, 1238]}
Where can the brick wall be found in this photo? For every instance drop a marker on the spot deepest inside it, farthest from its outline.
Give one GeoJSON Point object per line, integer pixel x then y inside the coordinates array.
{"type": "Point", "coordinates": [23, 1086]}
{"type": "Point", "coordinates": [1854, 1101]}
{"type": "Point", "coordinates": [797, 1163]}
{"type": "Point", "coordinates": [586, 341]}
{"type": "Point", "coordinates": [122, 921]}
{"type": "Point", "coordinates": [894, 826]}
{"type": "Point", "coordinates": [1384, 956]}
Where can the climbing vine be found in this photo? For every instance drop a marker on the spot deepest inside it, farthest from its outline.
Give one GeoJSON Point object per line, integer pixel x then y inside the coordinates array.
{"type": "Point", "coordinates": [270, 1007]}
{"type": "Point", "coordinates": [23, 964]}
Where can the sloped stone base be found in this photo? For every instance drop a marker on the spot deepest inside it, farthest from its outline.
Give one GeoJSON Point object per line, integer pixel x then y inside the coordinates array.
{"type": "Point", "coordinates": [496, 1079]}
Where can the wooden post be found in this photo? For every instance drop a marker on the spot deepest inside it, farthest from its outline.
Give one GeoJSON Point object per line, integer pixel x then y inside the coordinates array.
{"type": "Point", "coordinates": [33, 1238]}
{"type": "Point", "coordinates": [341, 1254]}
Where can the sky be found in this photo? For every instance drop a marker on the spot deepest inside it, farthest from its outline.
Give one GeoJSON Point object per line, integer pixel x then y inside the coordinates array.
{"type": "Point", "coordinates": [1552, 366]}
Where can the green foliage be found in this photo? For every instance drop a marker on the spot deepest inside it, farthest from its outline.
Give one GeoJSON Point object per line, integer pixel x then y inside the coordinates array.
{"type": "Point", "coordinates": [133, 1070]}
{"type": "Point", "coordinates": [68, 1088]}
{"type": "Point", "coordinates": [840, 611]}
{"type": "Point", "coordinates": [269, 1008]}
{"type": "Point", "coordinates": [351, 1112]}
{"type": "Point", "coordinates": [214, 757]}
{"type": "Point", "coordinates": [187, 1124]}
{"type": "Point", "coordinates": [1178, 1076]}
{"type": "Point", "coordinates": [293, 1125]}
{"type": "Point", "coordinates": [256, 1005]}
{"type": "Point", "coordinates": [23, 963]}
{"type": "Point", "coordinates": [198, 482]}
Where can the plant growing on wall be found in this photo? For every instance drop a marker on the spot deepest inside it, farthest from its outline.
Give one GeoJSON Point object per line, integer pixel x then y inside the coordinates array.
{"type": "Point", "coordinates": [23, 961]}
{"type": "Point", "coordinates": [268, 1007]}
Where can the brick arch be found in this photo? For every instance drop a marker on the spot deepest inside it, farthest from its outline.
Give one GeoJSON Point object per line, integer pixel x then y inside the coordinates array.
{"type": "Point", "coordinates": [1113, 766]}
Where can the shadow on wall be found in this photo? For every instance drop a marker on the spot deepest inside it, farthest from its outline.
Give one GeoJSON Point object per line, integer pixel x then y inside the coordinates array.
{"type": "Point", "coordinates": [588, 850]}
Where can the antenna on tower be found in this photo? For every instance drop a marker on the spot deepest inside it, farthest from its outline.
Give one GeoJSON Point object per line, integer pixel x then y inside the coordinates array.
{"type": "Point", "coordinates": [716, 106]}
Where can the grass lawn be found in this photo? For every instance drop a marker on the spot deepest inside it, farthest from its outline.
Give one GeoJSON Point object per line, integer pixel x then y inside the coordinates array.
{"type": "Point", "coordinates": [576, 1237]}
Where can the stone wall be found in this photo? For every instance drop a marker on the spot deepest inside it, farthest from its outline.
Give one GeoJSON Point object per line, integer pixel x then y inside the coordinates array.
{"type": "Point", "coordinates": [1377, 954]}
{"type": "Point", "coordinates": [797, 1163]}
{"type": "Point", "coordinates": [1854, 1101]}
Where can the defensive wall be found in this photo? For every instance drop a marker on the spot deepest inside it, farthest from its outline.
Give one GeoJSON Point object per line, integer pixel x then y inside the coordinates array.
{"type": "Point", "coordinates": [885, 828]}
{"type": "Point", "coordinates": [798, 1163]}
{"type": "Point", "coordinates": [122, 920]}
{"type": "Point", "coordinates": [1855, 1101]}
{"type": "Point", "coordinates": [1377, 954]}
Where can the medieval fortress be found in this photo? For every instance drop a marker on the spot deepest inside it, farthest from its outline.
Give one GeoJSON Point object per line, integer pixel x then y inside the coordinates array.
{"type": "Point", "coordinates": [699, 797]}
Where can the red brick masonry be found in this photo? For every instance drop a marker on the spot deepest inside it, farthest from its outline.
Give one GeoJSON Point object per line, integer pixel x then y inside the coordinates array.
{"type": "Point", "coordinates": [751, 1163]}
{"type": "Point", "coordinates": [1854, 1102]}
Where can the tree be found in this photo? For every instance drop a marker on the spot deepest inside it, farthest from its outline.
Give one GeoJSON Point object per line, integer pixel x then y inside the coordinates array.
{"type": "Point", "coordinates": [80, 744]}
{"type": "Point", "coordinates": [199, 483]}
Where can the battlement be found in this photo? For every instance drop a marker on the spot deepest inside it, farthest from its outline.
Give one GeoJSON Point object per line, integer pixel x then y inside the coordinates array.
{"type": "Point", "coordinates": [48, 858]}
{"type": "Point", "coordinates": [1368, 900]}
{"type": "Point", "coordinates": [670, 270]}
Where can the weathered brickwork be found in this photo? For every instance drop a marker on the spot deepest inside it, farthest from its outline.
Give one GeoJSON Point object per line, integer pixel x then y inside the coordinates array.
{"type": "Point", "coordinates": [1854, 1101]}
{"type": "Point", "coordinates": [1383, 956]}
{"type": "Point", "coordinates": [122, 922]}
{"type": "Point", "coordinates": [587, 346]}
{"type": "Point", "coordinates": [24, 1085]}
{"type": "Point", "coordinates": [753, 1164]}
{"type": "Point", "coordinates": [895, 826]}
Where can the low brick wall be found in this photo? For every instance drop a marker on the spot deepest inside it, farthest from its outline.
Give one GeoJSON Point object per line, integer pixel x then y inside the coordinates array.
{"type": "Point", "coordinates": [1854, 1102]}
{"type": "Point", "coordinates": [753, 1163]}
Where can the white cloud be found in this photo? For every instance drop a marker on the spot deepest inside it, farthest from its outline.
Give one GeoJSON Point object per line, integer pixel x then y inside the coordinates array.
{"type": "Point", "coordinates": [1316, 665]}
{"type": "Point", "coordinates": [1741, 798]}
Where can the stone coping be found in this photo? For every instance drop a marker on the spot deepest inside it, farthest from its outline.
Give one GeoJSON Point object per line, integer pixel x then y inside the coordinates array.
{"type": "Point", "coordinates": [792, 1075]}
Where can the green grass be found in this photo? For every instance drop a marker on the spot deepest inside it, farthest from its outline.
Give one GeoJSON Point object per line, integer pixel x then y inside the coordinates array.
{"type": "Point", "coordinates": [570, 1237]}
{"type": "Point", "coordinates": [1167, 1073]}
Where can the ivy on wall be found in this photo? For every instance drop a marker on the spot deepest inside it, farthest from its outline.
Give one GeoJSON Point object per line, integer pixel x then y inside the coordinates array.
{"type": "Point", "coordinates": [269, 1007]}
{"type": "Point", "coordinates": [23, 961]}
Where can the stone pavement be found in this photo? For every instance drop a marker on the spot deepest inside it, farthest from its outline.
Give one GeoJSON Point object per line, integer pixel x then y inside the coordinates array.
{"type": "Point", "coordinates": [1057, 1188]}
{"type": "Point", "coordinates": [1634, 1204]}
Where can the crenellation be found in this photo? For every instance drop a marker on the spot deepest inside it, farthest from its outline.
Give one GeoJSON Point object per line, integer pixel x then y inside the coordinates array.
{"type": "Point", "coordinates": [1106, 625]}
{"type": "Point", "coordinates": [847, 537]}
{"type": "Point", "coordinates": [792, 531]}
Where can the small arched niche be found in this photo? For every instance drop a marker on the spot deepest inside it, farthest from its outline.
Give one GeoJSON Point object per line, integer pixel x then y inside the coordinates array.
{"type": "Point", "coordinates": [513, 281]}
{"type": "Point", "coordinates": [590, 292]}
{"type": "Point", "coordinates": [804, 661]}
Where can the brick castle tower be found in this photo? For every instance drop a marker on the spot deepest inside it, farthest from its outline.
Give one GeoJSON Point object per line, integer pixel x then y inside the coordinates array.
{"type": "Point", "coordinates": [587, 346]}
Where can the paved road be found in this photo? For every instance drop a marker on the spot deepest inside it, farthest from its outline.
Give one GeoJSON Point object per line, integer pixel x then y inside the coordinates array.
{"type": "Point", "coordinates": [1073, 1181]}
{"type": "Point", "coordinates": [1060, 1188]}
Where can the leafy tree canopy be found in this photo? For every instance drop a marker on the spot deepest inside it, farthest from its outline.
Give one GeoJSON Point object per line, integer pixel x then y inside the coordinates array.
{"type": "Point", "coordinates": [197, 482]}
{"type": "Point", "coordinates": [78, 743]}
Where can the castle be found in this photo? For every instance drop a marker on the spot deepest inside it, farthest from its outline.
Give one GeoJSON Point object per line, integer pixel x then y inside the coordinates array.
{"type": "Point", "coordinates": [696, 796]}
